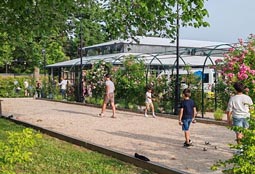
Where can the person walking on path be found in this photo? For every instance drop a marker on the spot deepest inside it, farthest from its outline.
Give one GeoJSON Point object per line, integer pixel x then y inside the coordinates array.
{"type": "Point", "coordinates": [38, 89]}
{"type": "Point", "coordinates": [238, 109]}
{"type": "Point", "coordinates": [26, 85]}
{"type": "Point", "coordinates": [187, 115]}
{"type": "Point", "coordinates": [109, 96]}
{"type": "Point", "coordinates": [149, 103]}
{"type": "Point", "coordinates": [63, 87]}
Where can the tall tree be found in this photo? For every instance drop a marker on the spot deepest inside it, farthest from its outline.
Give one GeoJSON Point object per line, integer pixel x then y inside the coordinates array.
{"type": "Point", "coordinates": [127, 18]}
{"type": "Point", "coordinates": [5, 52]}
{"type": "Point", "coordinates": [34, 25]}
{"type": "Point", "coordinates": [41, 22]}
{"type": "Point", "coordinates": [120, 18]}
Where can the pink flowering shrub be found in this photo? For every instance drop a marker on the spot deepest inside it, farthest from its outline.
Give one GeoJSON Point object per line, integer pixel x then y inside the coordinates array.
{"type": "Point", "coordinates": [239, 65]}
{"type": "Point", "coordinates": [95, 77]}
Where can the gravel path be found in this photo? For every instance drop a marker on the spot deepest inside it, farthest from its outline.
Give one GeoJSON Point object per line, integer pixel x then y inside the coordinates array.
{"type": "Point", "coordinates": [160, 139]}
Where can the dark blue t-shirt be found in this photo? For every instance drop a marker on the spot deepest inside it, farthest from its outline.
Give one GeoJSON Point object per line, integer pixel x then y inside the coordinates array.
{"type": "Point", "coordinates": [187, 106]}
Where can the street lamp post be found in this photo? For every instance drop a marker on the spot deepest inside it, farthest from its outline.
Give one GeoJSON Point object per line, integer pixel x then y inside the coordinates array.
{"type": "Point", "coordinates": [80, 93]}
{"type": "Point", "coordinates": [44, 61]}
{"type": "Point", "coordinates": [177, 85]}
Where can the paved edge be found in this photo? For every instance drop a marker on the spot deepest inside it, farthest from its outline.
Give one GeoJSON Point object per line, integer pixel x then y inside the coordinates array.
{"type": "Point", "coordinates": [151, 166]}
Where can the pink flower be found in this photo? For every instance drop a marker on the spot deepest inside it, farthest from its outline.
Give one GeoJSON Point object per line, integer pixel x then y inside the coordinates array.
{"type": "Point", "coordinates": [231, 49]}
{"type": "Point", "coordinates": [240, 41]}
{"type": "Point", "coordinates": [242, 56]}
{"type": "Point", "coordinates": [224, 69]}
{"type": "Point", "coordinates": [230, 75]}
{"type": "Point", "coordinates": [235, 59]}
{"type": "Point", "coordinates": [244, 68]}
{"type": "Point", "coordinates": [239, 63]}
{"type": "Point", "coordinates": [230, 68]}
{"type": "Point", "coordinates": [226, 56]}
{"type": "Point", "coordinates": [230, 64]}
{"type": "Point", "coordinates": [218, 61]}
{"type": "Point", "coordinates": [242, 76]}
{"type": "Point", "coordinates": [252, 72]}
{"type": "Point", "coordinates": [245, 52]}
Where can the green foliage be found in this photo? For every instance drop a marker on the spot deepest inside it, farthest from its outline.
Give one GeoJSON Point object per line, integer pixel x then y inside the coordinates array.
{"type": "Point", "coordinates": [196, 95]}
{"type": "Point", "coordinates": [50, 155]}
{"type": "Point", "coordinates": [5, 51]}
{"type": "Point", "coordinates": [96, 101]}
{"type": "Point", "coordinates": [42, 18]}
{"type": "Point", "coordinates": [218, 114]}
{"type": "Point", "coordinates": [193, 82]}
{"type": "Point", "coordinates": [160, 93]}
{"type": "Point", "coordinates": [14, 86]}
{"type": "Point", "coordinates": [53, 53]}
{"type": "Point", "coordinates": [243, 162]}
{"type": "Point", "coordinates": [150, 16]}
{"type": "Point", "coordinates": [95, 77]}
{"type": "Point", "coordinates": [130, 81]}
{"type": "Point", "coordinates": [238, 65]}
{"type": "Point", "coordinates": [28, 27]}
{"type": "Point", "coordinates": [53, 26]}
{"type": "Point", "coordinates": [222, 92]}
{"type": "Point", "coordinates": [16, 150]}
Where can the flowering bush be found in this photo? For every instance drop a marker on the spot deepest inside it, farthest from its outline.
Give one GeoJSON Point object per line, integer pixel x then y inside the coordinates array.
{"type": "Point", "coordinates": [131, 82]}
{"type": "Point", "coordinates": [238, 64]}
{"type": "Point", "coordinates": [95, 77]}
{"type": "Point", "coordinates": [242, 162]}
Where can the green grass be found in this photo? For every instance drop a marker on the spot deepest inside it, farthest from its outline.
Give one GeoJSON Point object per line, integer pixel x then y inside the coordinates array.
{"type": "Point", "coordinates": [53, 156]}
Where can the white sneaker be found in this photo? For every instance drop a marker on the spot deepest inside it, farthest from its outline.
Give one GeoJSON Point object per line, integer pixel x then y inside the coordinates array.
{"type": "Point", "coordinates": [153, 115]}
{"type": "Point", "coordinates": [145, 115]}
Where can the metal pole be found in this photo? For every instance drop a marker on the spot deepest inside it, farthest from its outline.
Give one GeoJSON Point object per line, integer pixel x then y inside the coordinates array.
{"type": "Point", "coordinates": [81, 83]}
{"type": "Point", "coordinates": [177, 86]}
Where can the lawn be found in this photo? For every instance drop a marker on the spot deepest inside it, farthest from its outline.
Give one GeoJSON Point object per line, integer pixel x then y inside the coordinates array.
{"type": "Point", "coordinates": [53, 156]}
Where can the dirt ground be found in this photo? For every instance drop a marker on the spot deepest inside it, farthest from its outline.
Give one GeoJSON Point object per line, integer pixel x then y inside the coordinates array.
{"type": "Point", "coordinates": [160, 139]}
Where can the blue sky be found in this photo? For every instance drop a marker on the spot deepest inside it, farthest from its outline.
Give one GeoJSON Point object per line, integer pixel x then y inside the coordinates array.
{"type": "Point", "coordinates": [229, 20]}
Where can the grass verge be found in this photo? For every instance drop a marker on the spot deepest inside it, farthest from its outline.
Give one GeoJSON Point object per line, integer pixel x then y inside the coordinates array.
{"type": "Point", "coordinates": [53, 156]}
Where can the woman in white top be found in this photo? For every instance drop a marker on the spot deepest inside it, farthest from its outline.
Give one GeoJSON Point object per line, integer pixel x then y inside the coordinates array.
{"type": "Point", "coordinates": [109, 96]}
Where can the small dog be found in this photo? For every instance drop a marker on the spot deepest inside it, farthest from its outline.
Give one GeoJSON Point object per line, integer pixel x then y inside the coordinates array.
{"type": "Point", "coordinates": [141, 157]}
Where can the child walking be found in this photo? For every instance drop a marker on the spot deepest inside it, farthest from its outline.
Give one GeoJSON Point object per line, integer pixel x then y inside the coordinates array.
{"type": "Point", "coordinates": [187, 115]}
{"type": "Point", "coordinates": [238, 111]}
{"type": "Point", "coordinates": [149, 103]}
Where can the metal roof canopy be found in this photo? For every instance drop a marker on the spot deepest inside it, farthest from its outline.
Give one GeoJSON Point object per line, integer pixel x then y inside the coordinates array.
{"type": "Point", "coordinates": [149, 59]}
{"type": "Point", "coordinates": [158, 41]}
{"type": "Point", "coordinates": [166, 58]}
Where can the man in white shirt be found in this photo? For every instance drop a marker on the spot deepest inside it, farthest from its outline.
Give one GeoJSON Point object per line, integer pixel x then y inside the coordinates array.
{"type": "Point", "coordinates": [63, 87]}
{"type": "Point", "coordinates": [238, 109]}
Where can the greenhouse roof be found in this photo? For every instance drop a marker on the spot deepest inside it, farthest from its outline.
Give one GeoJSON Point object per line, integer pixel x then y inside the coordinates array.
{"type": "Point", "coordinates": [149, 59]}
{"type": "Point", "coordinates": [153, 59]}
{"type": "Point", "coordinates": [157, 41]}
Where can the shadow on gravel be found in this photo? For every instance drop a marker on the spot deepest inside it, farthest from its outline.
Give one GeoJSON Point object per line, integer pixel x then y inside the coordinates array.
{"type": "Point", "coordinates": [75, 112]}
